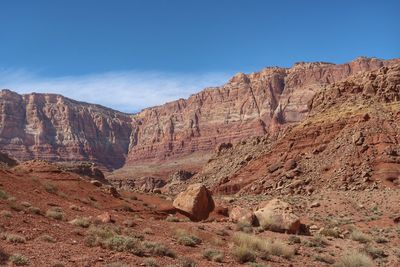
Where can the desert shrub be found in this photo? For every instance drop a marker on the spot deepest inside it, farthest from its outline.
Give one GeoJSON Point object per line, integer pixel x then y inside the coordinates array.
{"type": "Point", "coordinates": [278, 248]}
{"type": "Point", "coordinates": [3, 194]}
{"type": "Point", "coordinates": [15, 206]}
{"type": "Point", "coordinates": [325, 259]}
{"type": "Point", "coordinates": [158, 249]}
{"type": "Point", "coordinates": [6, 213]}
{"type": "Point", "coordinates": [187, 262]}
{"type": "Point", "coordinates": [47, 238]}
{"type": "Point", "coordinates": [115, 264]}
{"type": "Point", "coordinates": [33, 210]}
{"type": "Point", "coordinates": [110, 238]}
{"type": "Point", "coordinates": [75, 208]}
{"type": "Point", "coordinates": [270, 223]}
{"type": "Point", "coordinates": [14, 238]}
{"type": "Point", "coordinates": [83, 222]}
{"type": "Point", "coordinates": [316, 241]}
{"type": "Point", "coordinates": [293, 239]}
{"type": "Point", "coordinates": [374, 252]}
{"type": "Point", "coordinates": [172, 219]}
{"type": "Point", "coordinates": [213, 255]}
{"type": "Point", "coordinates": [381, 240]}
{"type": "Point", "coordinates": [360, 236]}
{"type": "Point", "coordinates": [55, 213]}
{"type": "Point", "coordinates": [187, 239]}
{"type": "Point", "coordinates": [150, 262]}
{"type": "Point", "coordinates": [50, 188]}
{"type": "Point", "coordinates": [354, 259]}
{"type": "Point", "coordinates": [19, 259]}
{"type": "Point", "coordinates": [256, 264]}
{"type": "Point", "coordinates": [243, 254]}
{"type": "Point", "coordinates": [148, 231]}
{"type": "Point", "coordinates": [25, 204]}
{"type": "Point", "coordinates": [265, 247]}
{"type": "Point", "coordinates": [244, 227]}
{"type": "Point", "coordinates": [330, 232]}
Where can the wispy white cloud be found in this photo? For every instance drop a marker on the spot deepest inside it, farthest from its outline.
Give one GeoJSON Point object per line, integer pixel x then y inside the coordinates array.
{"type": "Point", "coordinates": [128, 91]}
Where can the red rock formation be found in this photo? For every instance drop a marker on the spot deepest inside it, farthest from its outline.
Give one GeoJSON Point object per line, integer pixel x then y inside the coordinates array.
{"type": "Point", "coordinates": [55, 128]}
{"type": "Point", "coordinates": [248, 105]}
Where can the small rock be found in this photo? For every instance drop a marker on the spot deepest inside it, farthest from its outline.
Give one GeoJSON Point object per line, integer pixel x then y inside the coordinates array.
{"type": "Point", "coordinates": [315, 205]}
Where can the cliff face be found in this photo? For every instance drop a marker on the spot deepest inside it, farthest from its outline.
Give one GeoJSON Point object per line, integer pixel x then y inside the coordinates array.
{"type": "Point", "coordinates": [56, 128]}
{"type": "Point", "coordinates": [248, 105]}
{"type": "Point", "coordinates": [349, 141]}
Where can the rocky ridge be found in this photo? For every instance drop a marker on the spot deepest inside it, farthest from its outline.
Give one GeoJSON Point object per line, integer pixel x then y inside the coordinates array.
{"type": "Point", "coordinates": [349, 141]}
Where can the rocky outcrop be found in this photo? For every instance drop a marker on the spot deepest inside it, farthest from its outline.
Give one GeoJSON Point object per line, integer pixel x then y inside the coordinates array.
{"type": "Point", "coordinates": [55, 128]}
{"type": "Point", "coordinates": [278, 216]}
{"type": "Point", "coordinates": [195, 202]}
{"type": "Point", "coordinates": [248, 105]}
{"type": "Point", "coordinates": [349, 141]}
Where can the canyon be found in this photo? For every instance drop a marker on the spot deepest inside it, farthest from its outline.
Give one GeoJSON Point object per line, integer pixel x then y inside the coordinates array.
{"type": "Point", "coordinates": [177, 135]}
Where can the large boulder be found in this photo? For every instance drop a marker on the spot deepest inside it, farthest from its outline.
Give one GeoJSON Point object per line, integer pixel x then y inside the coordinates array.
{"type": "Point", "coordinates": [239, 214]}
{"type": "Point", "coordinates": [195, 202]}
{"type": "Point", "coordinates": [278, 216]}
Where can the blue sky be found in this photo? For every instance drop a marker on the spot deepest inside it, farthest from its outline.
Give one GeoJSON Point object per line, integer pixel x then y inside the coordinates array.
{"type": "Point", "coordinates": [132, 54]}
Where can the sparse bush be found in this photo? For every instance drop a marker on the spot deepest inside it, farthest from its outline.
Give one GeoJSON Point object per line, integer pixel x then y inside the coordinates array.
{"type": "Point", "coordinates": [374, 252]}
{"type": "Point", "coordinates": [213, 255]}
{"type": "Point", "coordinates": [360, 236]}
{"type": "Point", "coordinates": [325, 259]}
{"type": "Point", "coordinates": [243, 254]}
{"type": "Point", "coordinates": [33, 210]}
{"type": "Point", "coordinates": [15, 206]}
{"type": "Point", "coordinates": [332, 232]}
{"type": "Point", "coordinates": [14, 238]}
{"type": "Point", "coordinates": [3, 194]}
{"type": "Point", "coordinates": [271, 223]}
{"type": "Point", "coordinates": [75, 208]}
{"type": "Point", "coordinates": [129, 223]}
{"type": "Point", "coordinates": [279, 248]}
{"type": "Point", "coordinates": [111, 238]}
{"type": "Point", "coordinates": [172, 219]}
{"type": "Point", "coordinates": [158, 249]}
{"type": "Point", "coordinates": [186, 239]}
{"type": "Point", "coordinates": [47, 238]}
{"type": "Point", "coordinates": [381, 240]}
{"type": "Point", "coordinates": [55, 213]}
{"type": "Point", "coordinates": [6, 213]}
{"type": "Point", "coordinates": [81, 222]}
{"type": "Point", "coordinates": [354, 259]}
{"type": "Point", "coordinates": [187, 262]}
{"type": "Point", "coordinates": [25, 204]}
{"type": "Point", "coordinates": [293, 239]}
{"type": "Point", "coordinates": [150, 262]}
{"type": "Point", "coordinates": [244, 227]}
{"type": "Point", "coordinates": [147, 231]}
{"type": "Point", "coordinates": [50, 188]}
{"type": "Point", "coordinates": [316, 241]}
{"type": "Point", "coordinates": [265, 247]}
{"type": "Point", "coordinates": [19, 260]}
{"type": "Point", "coordinates": [115, 264]}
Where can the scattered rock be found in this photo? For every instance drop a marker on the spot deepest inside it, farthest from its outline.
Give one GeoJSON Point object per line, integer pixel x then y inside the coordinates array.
{"type": "Point", "coordinates": [105, 218]}
{"type": "Point", "coordinates": [315, 205]}
{"type": "Point", "coordinates": [195, 202]}
{"type": "Point", "coordinates": [239, 214]}
{"type": "Point", "coordinates": [279, 216]}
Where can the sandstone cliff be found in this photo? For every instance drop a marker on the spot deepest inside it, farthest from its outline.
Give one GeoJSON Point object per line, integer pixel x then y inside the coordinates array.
{"type": "Point", "coordinates": [248, 105]}
{"type": "Point", "coordinates": [55, 128]}
{"type": "Point", "coordinates": [349, 141]}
